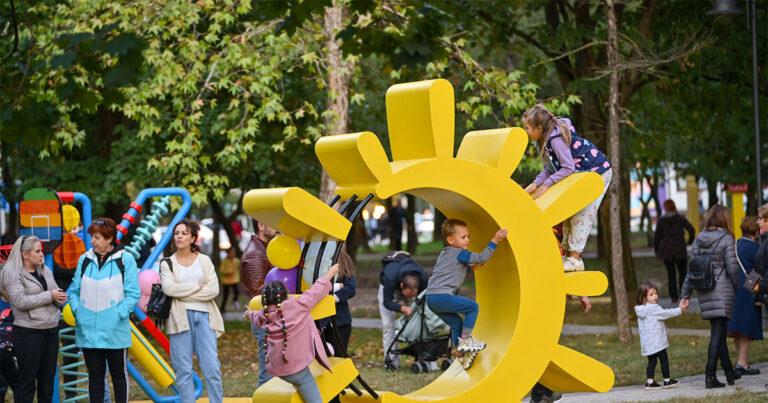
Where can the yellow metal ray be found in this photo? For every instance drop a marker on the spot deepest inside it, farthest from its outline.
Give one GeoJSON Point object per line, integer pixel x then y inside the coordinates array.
{"type": "Point", "coordinates": [295, 212]}
{"type": "Point", "coordinates": [497, 148]}
{"type": "Point", "coordinates": [567, 197]}
{"type": "Point", "coordinates": [420, 118]}
{"type": "Point", "coordinates": [572, 371]}
{"type": "Point", "coordinates": [357, 162]}
{"type": "Point", "coordinates": [585, 283]}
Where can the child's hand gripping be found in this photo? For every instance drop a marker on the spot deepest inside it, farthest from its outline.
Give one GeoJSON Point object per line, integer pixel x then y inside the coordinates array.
{"type": "Point", "coordinates": [531, 188]}
{"type": "Point", "coordinates": [499, 236]}
{"type": "Point", "coordinates": [539, 191]}
{"type": "Point", "coordinates": [333, 271]}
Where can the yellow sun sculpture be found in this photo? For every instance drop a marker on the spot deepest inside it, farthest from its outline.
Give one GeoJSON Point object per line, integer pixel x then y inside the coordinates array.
{"type": "Point", "coordinates": [521, 290]}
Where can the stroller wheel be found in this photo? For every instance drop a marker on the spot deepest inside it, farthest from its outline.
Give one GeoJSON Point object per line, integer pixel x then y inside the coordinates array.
{"type": "Point", "coordinates": [415, 368]}
{"type": "Point", "coordinates": [445, 364]}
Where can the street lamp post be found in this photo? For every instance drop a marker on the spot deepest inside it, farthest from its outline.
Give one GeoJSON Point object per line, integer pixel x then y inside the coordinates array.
{"type": "Point", "coordinates": [725, 8]}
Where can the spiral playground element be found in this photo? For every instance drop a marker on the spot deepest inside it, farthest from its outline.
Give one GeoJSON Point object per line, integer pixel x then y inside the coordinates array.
{"type": "Point", "coordinates": [148, 226]}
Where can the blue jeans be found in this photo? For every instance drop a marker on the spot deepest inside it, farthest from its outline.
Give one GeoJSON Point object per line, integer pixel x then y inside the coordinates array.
{"type": "Point", "coordinates": [259, 334]}
{"type": "Point", "coordinates": [200, 339]}
{"type": "Point", "coordinates": [306, 385]}
{"type": "Point", "coordinates": [448, 307]}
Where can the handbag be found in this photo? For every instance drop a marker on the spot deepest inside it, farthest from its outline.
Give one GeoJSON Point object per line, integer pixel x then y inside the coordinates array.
{"type": "Point", "coordinates": [752, 281]}
{"type": "Point", "coordinates": [159, 305]}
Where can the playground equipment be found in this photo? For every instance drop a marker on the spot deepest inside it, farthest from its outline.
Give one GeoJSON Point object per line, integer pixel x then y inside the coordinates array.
{"type": "Point", "coordinates": [45, 214]}
{"type": "Point", "coordinates": [522, 288]}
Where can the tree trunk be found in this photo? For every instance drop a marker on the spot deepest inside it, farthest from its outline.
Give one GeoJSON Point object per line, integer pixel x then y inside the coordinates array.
{"type": "Point", "coordinates": [216, 251]}
{"type": "Point", "coordinates": [712, 193]}
{"type": "Point", "coordinates": [11, 196]}
{"type": "Point", "coordinates": [655, 191]}
{"type": "Point", "coordinates": [338, 85]}
{"type": "Point", "coordinates": [602, 232]}
{"type": "Point", "coordinates": [751, 199]}
{"type": "Point", "coordinates": [411, 224]}
{"type": "Point", "coordinates": [614, 151]}
{"type": "Point", "coordinates": [437, 234]}
{"type": "Point", "coordinates": [226, 222]}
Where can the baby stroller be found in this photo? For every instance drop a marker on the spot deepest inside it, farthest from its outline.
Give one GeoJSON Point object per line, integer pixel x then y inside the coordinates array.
{"type": "Point", "coordinates": [426, 335]}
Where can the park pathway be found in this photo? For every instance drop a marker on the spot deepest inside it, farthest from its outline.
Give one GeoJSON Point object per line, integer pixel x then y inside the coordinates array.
{"type": "Point", "coordinates": [690, 387]}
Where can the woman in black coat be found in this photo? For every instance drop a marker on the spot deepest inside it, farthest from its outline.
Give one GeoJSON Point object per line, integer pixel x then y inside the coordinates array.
{"type": "Point", "coordinates": [669, 245]}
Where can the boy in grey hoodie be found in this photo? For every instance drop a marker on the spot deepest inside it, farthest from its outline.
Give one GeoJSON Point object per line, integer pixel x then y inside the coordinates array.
{"type": "Point", "coordinates": [447, 276]}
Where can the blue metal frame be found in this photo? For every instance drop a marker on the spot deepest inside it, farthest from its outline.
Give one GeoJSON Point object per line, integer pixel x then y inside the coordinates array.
{"type": "Point", "coordinates": [85, 203]}
{"type": "Point", "coordinates": [183, 211]}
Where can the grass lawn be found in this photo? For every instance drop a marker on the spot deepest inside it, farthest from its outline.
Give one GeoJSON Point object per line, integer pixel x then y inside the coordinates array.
{"type": "Point", "coordinates": [742, 397]}
{"type": "Point", "coordinates": [239, 359]}
{"type": "Point", "coordinates": [602, 314]}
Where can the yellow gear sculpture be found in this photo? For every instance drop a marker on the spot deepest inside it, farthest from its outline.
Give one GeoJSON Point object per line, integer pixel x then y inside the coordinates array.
{"type": "Point", "coordinates": [521, 290]}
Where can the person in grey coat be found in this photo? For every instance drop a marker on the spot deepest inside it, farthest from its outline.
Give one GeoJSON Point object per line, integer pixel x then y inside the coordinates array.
{"type": "Point", "coordinates": [716, 304]}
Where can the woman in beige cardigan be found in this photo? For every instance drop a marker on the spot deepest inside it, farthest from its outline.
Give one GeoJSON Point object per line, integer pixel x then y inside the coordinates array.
{"type": "Point", "coordinates": [195, 321]}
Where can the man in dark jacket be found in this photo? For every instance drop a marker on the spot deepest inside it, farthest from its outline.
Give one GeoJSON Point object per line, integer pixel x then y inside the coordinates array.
{"type": "Point", "coordinates": [253, 268]}
{"type": "Point", "coordinates": [401, 275]}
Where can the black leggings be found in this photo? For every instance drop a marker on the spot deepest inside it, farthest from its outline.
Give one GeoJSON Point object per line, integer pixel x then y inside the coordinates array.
{"type": "Point", "coordinates": [675, 283]}
{"type": "Point", "coordinates": [235, 291]}
{"type": "Point", "coordinates": [96, 360]}
{"type": "Point", "coordinates": [718, 349]}
{"type": "Point", "coordinates": [36, 353]}
{"type": "Point", "coordinates": [9, 371]}
{"type": "Point", "coordinates": [650, 370]}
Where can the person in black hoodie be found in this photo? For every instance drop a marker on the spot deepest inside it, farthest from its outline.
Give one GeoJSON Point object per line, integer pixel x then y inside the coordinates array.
{"type": "Point", "coordinates": [400, 275]}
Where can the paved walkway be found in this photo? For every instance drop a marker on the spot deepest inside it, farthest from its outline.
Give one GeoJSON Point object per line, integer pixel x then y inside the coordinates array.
{"type": "Point", "coordinates": [690, 387]}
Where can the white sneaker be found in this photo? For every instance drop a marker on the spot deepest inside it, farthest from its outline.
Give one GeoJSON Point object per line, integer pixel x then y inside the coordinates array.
{"type": "Point", "coordinates": [470, 344]}
{"type": "Point", "coordinates": [237, 306]}
{"type": "Point", "coordinates": [573, 264]}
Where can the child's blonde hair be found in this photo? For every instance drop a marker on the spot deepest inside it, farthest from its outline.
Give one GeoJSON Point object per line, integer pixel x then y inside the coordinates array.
{"type": "Point", "coordinates": [539, 115]}
{"type": "Point", "coordinates": [450, 225]}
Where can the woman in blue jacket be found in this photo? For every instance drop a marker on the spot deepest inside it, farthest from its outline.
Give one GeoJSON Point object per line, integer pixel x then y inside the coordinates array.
{"type": "Point", "coordinates": [104, 291]}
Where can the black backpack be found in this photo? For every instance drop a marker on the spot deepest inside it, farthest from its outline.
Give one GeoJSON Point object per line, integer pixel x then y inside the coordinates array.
{"type": "Point", "coordinates": [159, 305]}
{"type": "Point", "coordinates": [701, 276]}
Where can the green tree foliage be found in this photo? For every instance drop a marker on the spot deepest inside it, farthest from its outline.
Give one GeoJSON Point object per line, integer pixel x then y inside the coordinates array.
{"type": "Point", "coordinates": [699, 114]}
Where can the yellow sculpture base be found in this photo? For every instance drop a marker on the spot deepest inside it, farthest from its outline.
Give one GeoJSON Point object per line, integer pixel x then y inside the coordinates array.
{"type": "Point", "coordinates": [330, 383]}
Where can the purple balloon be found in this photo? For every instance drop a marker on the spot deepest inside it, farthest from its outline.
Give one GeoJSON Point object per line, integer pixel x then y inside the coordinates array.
{"type": "Point", "coordinates": [287, 277]}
